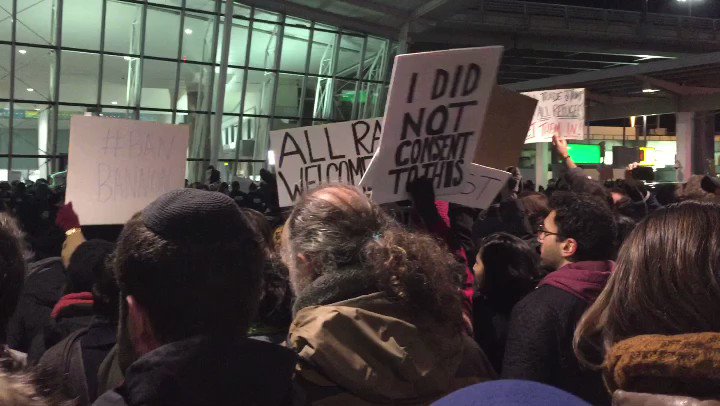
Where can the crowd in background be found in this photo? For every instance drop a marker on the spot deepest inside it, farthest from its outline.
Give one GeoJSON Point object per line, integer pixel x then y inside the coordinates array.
{"type": "Point", "coordinates": [576, 293]}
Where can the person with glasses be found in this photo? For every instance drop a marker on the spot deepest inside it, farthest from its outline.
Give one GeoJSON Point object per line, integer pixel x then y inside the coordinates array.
{"type": "Point", "coordinates": [577, 242]}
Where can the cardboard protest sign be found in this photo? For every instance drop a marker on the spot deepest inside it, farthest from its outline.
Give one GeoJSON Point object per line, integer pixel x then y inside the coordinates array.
{"type": "Point", "coordinates": [559, 112]}
{"type": "Point", "coordinates": [117, 167]}
{"type": "Point", "coordinates": [506, 125]}
{"type": "Point", "coordinates": [481, 187]}
{"type": "Point", "coordinates": [435, 111]}
{"type": "Point", "coordinates": [308, 157]}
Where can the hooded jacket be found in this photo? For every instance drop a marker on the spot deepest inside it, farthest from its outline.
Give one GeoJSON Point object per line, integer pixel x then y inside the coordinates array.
{"type": "Point", "coordinates": [42, 289]}
{"type": "Point", "coordinates": [203, 372]}
{"type": "Point", "coordinates": [371, 350]}
{"type": "Point", "coordinates": [542, 325]}
{"type": "Point", "coordinates": [665, 370]}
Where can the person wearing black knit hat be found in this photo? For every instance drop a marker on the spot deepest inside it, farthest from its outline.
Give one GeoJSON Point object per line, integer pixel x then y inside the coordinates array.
{"type": "Point", "coordinates": [189, 269]}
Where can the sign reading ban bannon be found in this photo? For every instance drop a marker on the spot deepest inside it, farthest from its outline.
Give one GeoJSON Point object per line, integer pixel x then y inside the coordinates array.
{"type": "Point", "coordinates": [308, 157]}
{"type": "Point", "coordinates": [117, 167]}
{"type": "Point", "coordinates": [558, 112]}
{"type": "Point", "coordinates": [435, 111]}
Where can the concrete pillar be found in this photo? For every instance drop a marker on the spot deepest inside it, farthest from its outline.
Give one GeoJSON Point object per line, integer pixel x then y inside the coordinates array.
{"type": "Point", "coordinates": [695, 142]}
{"type": "Point", "coordinates": [542, 158]}
{"type": "Point", "coordinates": [43, 131]}
{"type": "Point", "coordinates": [684, 129]}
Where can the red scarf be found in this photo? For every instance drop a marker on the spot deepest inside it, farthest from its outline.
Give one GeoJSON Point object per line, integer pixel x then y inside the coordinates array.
{"type": "Point", "coordinates": [82, 298]}
{"type": "Point", "coordinates": [584, 280]}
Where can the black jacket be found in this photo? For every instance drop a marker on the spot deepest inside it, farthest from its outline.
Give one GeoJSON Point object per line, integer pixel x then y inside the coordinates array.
{"type": "Point", "coordinates": [76, 359]}
{"type": "Point", "coordinates": [42, 289]}
{"type": "Point", "coordinates": [68, 320]}
{"type": "Point", "coordinates": [490, 323]}
{"type": "Point", "coordinates": [199, 372]}
{"type": "Point", "coordinates": [539, 344]}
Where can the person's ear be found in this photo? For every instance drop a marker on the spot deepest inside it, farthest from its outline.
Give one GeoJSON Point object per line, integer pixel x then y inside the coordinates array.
{"type": "Point", "coordinates": [568, 248]}
{"type": "Point", "coordinates": [140, 327]}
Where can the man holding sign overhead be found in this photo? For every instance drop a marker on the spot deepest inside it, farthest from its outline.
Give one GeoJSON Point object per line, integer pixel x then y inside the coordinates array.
{"type": "Point", "coordinates": [435, 111]}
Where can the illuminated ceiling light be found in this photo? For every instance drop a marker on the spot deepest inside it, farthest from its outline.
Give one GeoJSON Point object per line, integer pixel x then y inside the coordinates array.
{"type": "Point", "coordinates": [22, 51]}
{"type": "Point", "coordinates": [114, 103]}
{"type": "Point", "coordinates": [650, 90]}
{"type": "Point", "coordinates": [30, 89]}
{"type": "Point", "coordinates": [188, 31]}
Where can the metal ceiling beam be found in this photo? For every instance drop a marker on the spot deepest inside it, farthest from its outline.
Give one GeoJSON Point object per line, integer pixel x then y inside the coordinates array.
{"type": "Point", "coordinates": [615, 73]}
{"type": "Point", "coordinates": [379, 7]}
{"type": "Point", "coordinates": [676, 88]}
{"type": "Point", "coordinates": [439, 10]}
{"type": "Point", "coordinates": [653, 107]}
{"type": "Point", "coordinates": [326, 17]}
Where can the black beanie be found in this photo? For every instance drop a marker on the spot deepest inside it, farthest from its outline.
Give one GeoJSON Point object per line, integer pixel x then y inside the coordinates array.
{"type": "Point", "coordinates": [86, 263]}
{"type": "Point", "coordinates": [193, 215]}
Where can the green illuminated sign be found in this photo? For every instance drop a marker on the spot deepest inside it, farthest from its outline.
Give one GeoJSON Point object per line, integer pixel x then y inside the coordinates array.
{"type": "Point", "coordinates": [585, 153]}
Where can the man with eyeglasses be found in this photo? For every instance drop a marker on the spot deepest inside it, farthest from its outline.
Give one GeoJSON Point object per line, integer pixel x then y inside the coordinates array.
{"type": "Point", "coordinates": [577, 243]}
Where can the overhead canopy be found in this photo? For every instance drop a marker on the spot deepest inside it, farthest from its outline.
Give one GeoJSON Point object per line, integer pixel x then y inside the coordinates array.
{"type": "Point", "coordinates": [688, 84]}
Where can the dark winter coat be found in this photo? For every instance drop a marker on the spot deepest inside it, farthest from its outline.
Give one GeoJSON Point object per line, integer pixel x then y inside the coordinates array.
{"type": "Point", "coordinates": [42, 289]}
{"type": "Point", "coordinates": [66, 321]}
{"type": "Point", "coordinates": [199, 371]}
{"type": "Point", "coordinates": [77, 358]}
{"type": "Point", "coordinates": [539, 343]}
{"type": "Point", "coordinates": [490, 331]}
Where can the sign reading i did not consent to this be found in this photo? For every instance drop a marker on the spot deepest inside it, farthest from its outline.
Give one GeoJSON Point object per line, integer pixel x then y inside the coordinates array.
{"type": "Point", "coordinates": [434, 115]}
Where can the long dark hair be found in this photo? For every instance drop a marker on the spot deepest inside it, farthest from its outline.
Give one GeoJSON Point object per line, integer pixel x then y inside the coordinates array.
{"type": "Point", "coordinates": [511, 269]}
{"type": "Point", "coordinates": [337, 226]}
{"type": "Point", "coordinates": [667, 281]}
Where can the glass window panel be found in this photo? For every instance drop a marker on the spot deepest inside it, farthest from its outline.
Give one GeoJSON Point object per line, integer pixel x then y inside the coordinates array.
{"type": "Point", "coordinates": [161, 33]}
{"type": "Point", "coordinates": [79, 73]}
{"type": "Point", "coordinates": [373, 104]}
{"type": "Point", "coordinates": [122, 27]}
{"type": "Point", "coordinates": [238, 42]}
{"type": "Point", "coordinates": [175, 3]}
{"type": "Point", "coordinates": [5, 20]}
{"type": "Point", "coordinates": [81, 24]}
{"type": "Point", "coordinates": [65, 113]}
{"type": "Point", "coordinates": [164, 117]}
{"type": "Point", "coordinates": [309, 102]}
{"type": "Point", "coordinates": [349, 56]}
{"type": "Point", "coordinates": [297, 22]}
{"type": "Point", "coordinates": [199, 41]}
{"type": "Point", "coordinates": [35, 21]}
{"type": "Point", "coordinates": [194, 87]}
{"type": "Point", "coordinates": [233, 90]}
{"type": "Point", "coordinates": [294, 49]}
{"type": "Point", "coordinates": [263, 44]}
{"type": "Point", "coordinates": [343, 97]}
{"type": "Point", "coordinates": [322, 52]}
{"type": "Point", "coordinates": [204, 5]}
{"type": "Point", "coordinates": [267, 15]}
{"type": "Point", "coordinates": [374, 57]}
{"type": "Point", "coordinates": [33, 71]}
{"type": "Point", "coordinates": [5, 71]}
{"type": "Point", "coordinates": [116, 87]}
{"type": "Point", "coordinates": [259, 92]}
{"type": "Point", "coordinates": [240, 10]}
{"type": "Point", "coordinates": [229, 137]}
{"type": "Point", "coordinates": [30, 133]}
{"type": "Point", "coordinates": [4, 127]}
{"type": "Point", "coordinates": [158, 82]}
{"type": "Point", "coordinates": [287, 100]}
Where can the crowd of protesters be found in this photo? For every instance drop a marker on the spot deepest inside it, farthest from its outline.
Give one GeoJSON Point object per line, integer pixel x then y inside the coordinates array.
{"type": "Point", "coordinates": [582, 293]}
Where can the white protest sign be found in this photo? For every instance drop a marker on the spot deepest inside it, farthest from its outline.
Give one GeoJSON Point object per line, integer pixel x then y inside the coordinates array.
{"type": "Point", "coordinates": [308, 157]}
{"type": "Point", "coordinates": [434, 115]}
{"type": "Point", "coordinates": [117, 167]}
{"type": "Point", "coordinates": [482, 186]}
{"type": "Point", "coordinates": [558, 112]}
